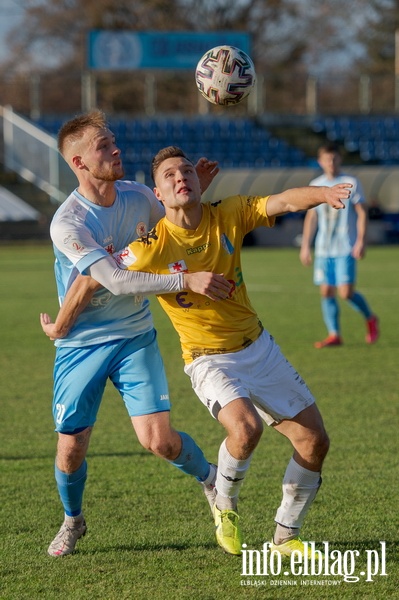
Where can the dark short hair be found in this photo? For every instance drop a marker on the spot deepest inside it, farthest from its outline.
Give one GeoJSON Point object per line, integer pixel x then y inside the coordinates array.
{"type": "Point", "coordinates": [75, 128]}
{"type": "Point", "coordinates": [330, 147]}
{"type": "Point", "coordinates": [164, 154]}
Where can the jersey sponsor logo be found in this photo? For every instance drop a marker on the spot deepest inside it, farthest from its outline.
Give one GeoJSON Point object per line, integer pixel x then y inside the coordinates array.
{"type": "Point", "coordinates": [181, 300]}
{"type": "Point", "coordinates": [198, 249]}
{"type": "Point", "coordinates": [237, 283]}
{"type": "Point", "coordinates": [164, 397]}
{"type": "Point", "coordinates": [233, 287]}
{"type": "Point", "coordinates": [178, 267]}
{"type": "Point", "coordinates": [101, 300]}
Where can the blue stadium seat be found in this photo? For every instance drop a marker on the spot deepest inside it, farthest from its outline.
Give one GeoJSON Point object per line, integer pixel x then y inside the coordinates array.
{"type": "Point", "coordinates": [235, 142]}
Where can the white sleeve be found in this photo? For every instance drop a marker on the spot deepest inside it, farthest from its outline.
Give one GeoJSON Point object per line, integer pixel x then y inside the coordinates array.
{"type": "Point", "coordinates": [119, 281]}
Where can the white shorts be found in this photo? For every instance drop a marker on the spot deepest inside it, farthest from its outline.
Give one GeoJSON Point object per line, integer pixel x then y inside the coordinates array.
{"type": "Point", "coordinates": [260, 372]}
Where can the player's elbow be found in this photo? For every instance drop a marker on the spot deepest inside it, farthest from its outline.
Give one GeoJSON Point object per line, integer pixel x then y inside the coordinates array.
{"type": "Point", "coordinates": [116, 288]}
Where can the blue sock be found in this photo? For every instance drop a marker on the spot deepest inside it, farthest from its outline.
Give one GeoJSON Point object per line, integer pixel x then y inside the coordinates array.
{"type": "Point", "coordinates": [359, 303]}
{"type": "Point", "coordinates": [191, 459]}
{"type": "Point", "coordinates": [330, 311]}
{"type": "Point", "coordinates": [71, 488]}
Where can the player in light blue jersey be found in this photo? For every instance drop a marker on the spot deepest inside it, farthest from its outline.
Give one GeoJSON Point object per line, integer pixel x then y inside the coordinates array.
{"type": "Point", "coordinates": [340, 242]}
{"type": "Point", "coordinates": [113, 337]}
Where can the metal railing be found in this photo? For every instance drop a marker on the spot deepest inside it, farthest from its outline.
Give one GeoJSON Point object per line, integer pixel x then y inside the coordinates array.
{"type": "Point", "coordinates": [33, 155]}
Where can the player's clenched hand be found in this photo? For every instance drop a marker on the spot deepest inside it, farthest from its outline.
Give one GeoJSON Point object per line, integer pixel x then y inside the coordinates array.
{"type": "Point", "coordinates": [335, 195]}
{"type": "Point", "coordinates": [50, 328]}
{"type": "Point", "coordinates": [212, 285]}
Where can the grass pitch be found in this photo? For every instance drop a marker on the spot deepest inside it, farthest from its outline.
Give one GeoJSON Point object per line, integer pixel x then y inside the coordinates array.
{"type": "Point", "coordinates": [150, 534]}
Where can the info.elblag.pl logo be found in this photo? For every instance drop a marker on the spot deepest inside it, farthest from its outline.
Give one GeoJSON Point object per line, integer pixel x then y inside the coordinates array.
{"type": "Point", "coordinates": [323, 562]}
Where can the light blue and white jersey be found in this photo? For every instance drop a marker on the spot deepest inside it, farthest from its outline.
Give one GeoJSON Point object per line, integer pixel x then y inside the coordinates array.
{"type": "Point", "coordinates": [82, 234]}
{"type": "Point", "coordinates": [336, 229]}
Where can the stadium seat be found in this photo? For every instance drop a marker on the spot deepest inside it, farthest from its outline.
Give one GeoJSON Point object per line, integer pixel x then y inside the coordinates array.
{"type": "Point", "coordinates": [236, 142]}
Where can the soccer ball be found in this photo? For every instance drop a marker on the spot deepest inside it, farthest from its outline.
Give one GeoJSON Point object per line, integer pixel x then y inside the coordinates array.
{"type": "Point", "coordinates": [225, 75]}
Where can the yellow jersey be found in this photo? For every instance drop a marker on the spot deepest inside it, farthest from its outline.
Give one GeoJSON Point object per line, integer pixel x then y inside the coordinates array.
{"type": "Point", "coordinates": [205, 326]}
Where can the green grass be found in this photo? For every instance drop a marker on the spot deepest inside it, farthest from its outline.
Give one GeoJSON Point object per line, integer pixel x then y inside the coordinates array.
{"type": "Point", "coordinates": [150, 532]}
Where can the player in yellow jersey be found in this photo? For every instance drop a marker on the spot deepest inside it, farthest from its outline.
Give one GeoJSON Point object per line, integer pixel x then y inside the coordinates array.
{"type": "Point", "coordinates": [236, 368]}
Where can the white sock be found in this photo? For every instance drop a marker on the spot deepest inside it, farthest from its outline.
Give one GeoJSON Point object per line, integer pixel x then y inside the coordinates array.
{"type": "Point", "coordinates": [74, 521]}
{"type": "Point", "coordinates": [300, 487]}
{"type": "Point", "coordinates": [210, 479]}
{"type": "Point", "coordinates": [230, 477]}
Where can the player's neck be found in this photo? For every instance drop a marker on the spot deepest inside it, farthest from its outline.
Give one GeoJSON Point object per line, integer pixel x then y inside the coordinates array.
{"type": "Point", "coordinates": [332, 174]}
{"type": "Point", "coordinates": [187, 218]}
{"type": "Point", "coordinates": [103, 194]}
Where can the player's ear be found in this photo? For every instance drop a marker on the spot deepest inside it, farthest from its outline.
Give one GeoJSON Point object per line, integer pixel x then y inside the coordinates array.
{"type": "Point", "coordinates": [158, 194]}
{"type": "Point", "coordinates": [77, 161]}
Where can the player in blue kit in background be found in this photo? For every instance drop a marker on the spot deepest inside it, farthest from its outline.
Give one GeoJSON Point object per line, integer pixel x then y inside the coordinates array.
{"type": "Point", "coordinates": [340, 242]}
{"type": "Point", "coordinates": [114, 337]}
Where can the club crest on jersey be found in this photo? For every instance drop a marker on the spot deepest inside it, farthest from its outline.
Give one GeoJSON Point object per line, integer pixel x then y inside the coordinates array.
{"type": "Point", "coordinates": [178, 267]}
{"type": "Point", "coordinates": [227, 245]}
{"type": "Point", "coordinates": [110, 248]}
{"type": "Point", "coordinates": [141, 229]}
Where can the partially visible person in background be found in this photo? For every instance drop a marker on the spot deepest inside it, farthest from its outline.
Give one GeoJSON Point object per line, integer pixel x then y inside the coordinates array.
{"type": "Point", "coordinates": [340, 242]}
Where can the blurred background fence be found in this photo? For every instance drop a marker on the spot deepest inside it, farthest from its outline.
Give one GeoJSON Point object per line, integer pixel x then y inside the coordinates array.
{"type": "Point", "coordinates": [147, 93]}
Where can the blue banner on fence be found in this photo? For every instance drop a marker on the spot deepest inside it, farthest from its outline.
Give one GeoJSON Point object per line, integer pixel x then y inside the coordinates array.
{"type": "Point", "coordinates": [127, 50]}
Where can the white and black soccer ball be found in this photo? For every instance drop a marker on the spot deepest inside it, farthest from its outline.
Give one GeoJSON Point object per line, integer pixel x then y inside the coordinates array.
{"type": "Point", "coordinates": [225, 75]}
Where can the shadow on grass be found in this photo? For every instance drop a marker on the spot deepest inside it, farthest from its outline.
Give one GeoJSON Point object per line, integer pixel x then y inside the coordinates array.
{"type": "Point", "coordinates": [150, 547]}
{"type": "Point", "coordinates": [89, 455]}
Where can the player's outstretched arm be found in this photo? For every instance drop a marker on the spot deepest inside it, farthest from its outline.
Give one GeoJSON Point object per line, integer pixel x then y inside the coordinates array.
{"type": "Point", "coordinates": [79, 295]}
{"type": "Point", "coordinates": [208, 284]}
{"type": "Point", "coordinates": [81, 291]}
{"type": "Point", "coordinates": [298, 199]}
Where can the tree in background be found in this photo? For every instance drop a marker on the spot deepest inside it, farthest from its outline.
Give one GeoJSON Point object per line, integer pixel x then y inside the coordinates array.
{"type": "Point", "coordinates": [377, 34]}
{"type": "Point", "coordinates": [291, 40]}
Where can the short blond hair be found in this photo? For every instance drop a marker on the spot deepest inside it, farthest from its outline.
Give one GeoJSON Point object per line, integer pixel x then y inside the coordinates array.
{"type": "Point", "coordinates": [73, 130]}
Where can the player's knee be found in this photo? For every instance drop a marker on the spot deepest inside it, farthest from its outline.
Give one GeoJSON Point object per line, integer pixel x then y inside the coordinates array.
{"type": "Point", "coordinates": [162, 446]}
{"type": "Point", "coordinates": [345, 294]}
{"type": "Point", "coordinates": [72, 449]}
{"type": "Point", "coordinates": [248, 432]}
{"type": "Point", "coordinates": [321, 444]}
{"type": "Point", "coordinates": [346, 291]}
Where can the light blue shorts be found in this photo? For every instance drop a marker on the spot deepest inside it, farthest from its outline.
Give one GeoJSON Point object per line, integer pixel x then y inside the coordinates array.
{"type": "Point", "coordinates": [134, 366]}
{"type": "Point", "coordinates": [334, 271]}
